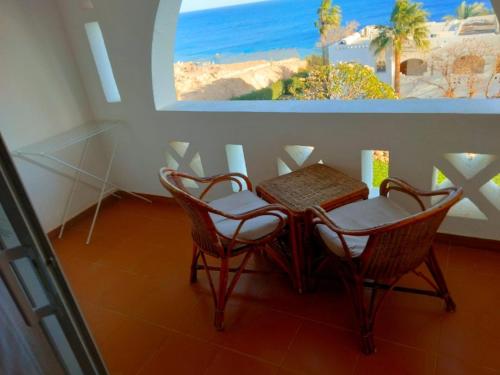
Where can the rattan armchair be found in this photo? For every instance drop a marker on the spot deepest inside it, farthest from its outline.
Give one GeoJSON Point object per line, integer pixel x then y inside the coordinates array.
{"type": "Point", "coordinates": [373, 243]}
{"type": "Point", "coordinates": [240, 224]}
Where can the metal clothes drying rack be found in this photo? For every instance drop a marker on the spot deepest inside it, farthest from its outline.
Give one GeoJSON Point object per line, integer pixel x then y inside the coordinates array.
{"type": "Point", "coordinates": [84, 133]}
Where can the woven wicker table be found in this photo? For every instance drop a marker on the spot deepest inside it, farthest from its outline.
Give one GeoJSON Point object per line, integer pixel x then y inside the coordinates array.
{"type": "Point", "coordinates": [317, 184]}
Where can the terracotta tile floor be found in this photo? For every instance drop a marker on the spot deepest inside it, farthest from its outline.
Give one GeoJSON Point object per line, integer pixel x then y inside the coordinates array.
{"type": "Point", "coordinates": [132, 285]}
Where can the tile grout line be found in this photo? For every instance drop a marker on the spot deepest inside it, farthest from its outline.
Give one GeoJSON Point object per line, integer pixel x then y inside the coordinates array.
{"type": "Point", "coordinates": [292, 341]}
{"type": "Point", "coordinates": [356, 364]}
{"type": "Point", "coordinates": [469, 362]}
{"type": "Point", "coordinates": [151, 356]}
{"type": "Point", "coordinates": [187, 335]}
{"type": "Point", "coordinates": [211, 361]}
{"type": "Point", "coordinates": [258, 359]}
{"type": "Point", "coordinates": [302, 319]}
{"type": "Point", "coordinates": [403, 345]}
{"type": "Point", "coordinates": [218, 348]}
{"type": "Point", "coordinates": [435, 364]}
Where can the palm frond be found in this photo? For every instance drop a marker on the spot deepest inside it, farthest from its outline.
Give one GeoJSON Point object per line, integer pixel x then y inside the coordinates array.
{"type": "Point", "coordinates": [329, 17]}
{"type": "Point", "coordinates": [383, 40]}
{"type": "Point", "coordinates": [466, 10]}
{"type": "Point", "coordinates": [409, 22]}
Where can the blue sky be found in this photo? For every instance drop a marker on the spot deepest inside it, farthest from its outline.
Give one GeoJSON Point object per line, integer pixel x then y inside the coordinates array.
{"type": "Point", "coordinates": [191, 5]}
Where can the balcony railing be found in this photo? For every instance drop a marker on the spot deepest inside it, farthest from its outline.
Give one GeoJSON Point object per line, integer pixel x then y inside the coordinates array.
{"type": "Point", "coordinates": [429, 151]}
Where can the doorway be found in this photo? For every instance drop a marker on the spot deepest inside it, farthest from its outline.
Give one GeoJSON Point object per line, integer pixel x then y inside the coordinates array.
{"type": "Point", "coordinates": [43, 331]}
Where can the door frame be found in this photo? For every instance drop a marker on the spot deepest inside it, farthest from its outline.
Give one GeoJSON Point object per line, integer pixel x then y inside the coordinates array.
{"type": "Point", "coordinates": [35, 245]}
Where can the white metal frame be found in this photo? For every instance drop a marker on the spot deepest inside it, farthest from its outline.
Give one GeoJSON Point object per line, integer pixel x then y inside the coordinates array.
{"type": "Point", "coordinates": [48, 148]}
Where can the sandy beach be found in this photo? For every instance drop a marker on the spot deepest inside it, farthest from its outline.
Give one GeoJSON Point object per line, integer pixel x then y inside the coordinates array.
{"type": "Point", "coordinates": [207, 81]}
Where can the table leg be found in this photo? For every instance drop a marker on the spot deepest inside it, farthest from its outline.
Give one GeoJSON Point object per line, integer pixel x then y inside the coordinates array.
{"type": "Point", "coordinates": [297, 263]}
{"type": "Point", "coordinates": [305, 252]}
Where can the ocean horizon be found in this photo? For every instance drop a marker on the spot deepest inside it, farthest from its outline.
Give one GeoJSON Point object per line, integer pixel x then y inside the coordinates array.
{"type": "Point", "coordinates": [285, 27]}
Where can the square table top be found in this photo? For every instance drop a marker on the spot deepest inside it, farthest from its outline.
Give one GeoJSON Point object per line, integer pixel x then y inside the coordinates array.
{"type": "Point", "coordinates": [317, 184]}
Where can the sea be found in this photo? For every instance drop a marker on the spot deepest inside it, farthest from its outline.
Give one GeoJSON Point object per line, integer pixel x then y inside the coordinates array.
{"type": "Point", "coordinates": [276, 29]}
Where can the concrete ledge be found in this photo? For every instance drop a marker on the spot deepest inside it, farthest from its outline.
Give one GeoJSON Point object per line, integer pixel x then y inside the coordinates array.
{"type": "Point", "coordinates": [414, 106]}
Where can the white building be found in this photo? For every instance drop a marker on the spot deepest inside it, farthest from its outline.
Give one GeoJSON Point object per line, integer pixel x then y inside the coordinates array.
{"type": "Point", "coordinates": [356, 48]}
{"type": "Point", "coordinates": [479, 34]}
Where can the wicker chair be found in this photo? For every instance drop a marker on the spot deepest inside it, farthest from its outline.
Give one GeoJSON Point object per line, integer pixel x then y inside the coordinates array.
{"type": "Point", "coordinates": [237, 225]}
{"type": "Point", "coordinates": [373, 243]}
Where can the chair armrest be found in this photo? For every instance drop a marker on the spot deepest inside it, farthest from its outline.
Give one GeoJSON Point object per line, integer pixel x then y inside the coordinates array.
{"type": "Point", "coordinates": [213, 180]}
{"type": "Point", "coordinates": [399, 185]}
{"type": "Point", "coordinates": [233, 177]}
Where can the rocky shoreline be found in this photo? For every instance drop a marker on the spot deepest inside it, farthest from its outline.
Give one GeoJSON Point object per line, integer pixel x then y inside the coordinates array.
{"type": "Point", "coordinates": [208, 81]}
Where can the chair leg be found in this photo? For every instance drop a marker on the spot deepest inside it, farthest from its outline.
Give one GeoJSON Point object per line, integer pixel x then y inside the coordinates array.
{"type": "Point", "coordinates": [437, 274]}
{"type": "Point", "coordinates": [221, 294]}
{"type": "Point", "coordinates": [367, 322]}
{"type": "Point", "coordinates": [194, 265]}
{"type": "Point", "coordinates": [366, 314]}
{"type": "Point", "coordinates": [367, 341]}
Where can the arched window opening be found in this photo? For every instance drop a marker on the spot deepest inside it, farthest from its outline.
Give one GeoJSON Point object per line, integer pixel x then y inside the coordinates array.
{"type": "Point", "coordinates": [413, 67]}
{"type": "Point", "coordinates": [326, 50]}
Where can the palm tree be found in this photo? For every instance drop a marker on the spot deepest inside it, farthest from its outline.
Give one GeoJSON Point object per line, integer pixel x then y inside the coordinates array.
{"type": "Point", "coordinates": [465, 11]}
{"type": "Point", "coordinates": [329, 18]}
{"type": "Point", "coordinates": [408, 24]}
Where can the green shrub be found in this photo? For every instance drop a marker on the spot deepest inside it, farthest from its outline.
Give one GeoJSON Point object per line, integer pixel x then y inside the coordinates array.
{"type": "Point", "coordinates": [262, 94]}
{"type": "Point", "coordinates": [380, 172]}
{"type": "Point", "coordinates": [273, 92]}
{"type": "Point", "coordinates": [440, 177]}
{"type": "Point", "coordinates": [314, 60]}
{"type": "Point", "coordinates": [344, 81]}
{"type": "Point", "coordinates": [496, 179]}
{"type": "Point", "coordinates": [295, 85]}
{"type": "Point", "coordinates": [278, 90]}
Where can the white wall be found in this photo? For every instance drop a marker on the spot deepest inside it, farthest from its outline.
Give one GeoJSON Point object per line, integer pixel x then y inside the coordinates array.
{"type": "Point", "coordinates": [362, 54]}
{"type": "Point", "coordinates": [416, 142]}
{"type": "Point", "coordinates": [40, 95]}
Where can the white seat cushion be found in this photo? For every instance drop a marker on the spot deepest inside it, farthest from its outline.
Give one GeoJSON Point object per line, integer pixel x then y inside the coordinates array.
{"type": "Point", "coordinates": [359, 215]}
{"type": "Point", "coordinates": [239, 203]}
